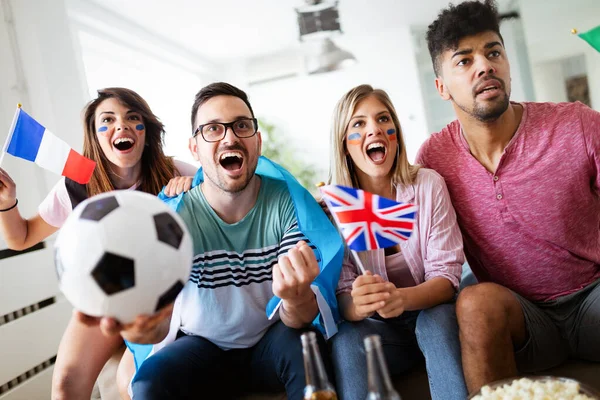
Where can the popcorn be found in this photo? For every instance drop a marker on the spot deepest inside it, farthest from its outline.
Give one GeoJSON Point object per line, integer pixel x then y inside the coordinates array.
{"type": "Point", "coordinates": [527, 389]}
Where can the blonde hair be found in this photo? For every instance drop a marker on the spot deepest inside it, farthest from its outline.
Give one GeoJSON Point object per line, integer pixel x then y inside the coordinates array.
{"type": "Point", "coordinates": [342, 170]}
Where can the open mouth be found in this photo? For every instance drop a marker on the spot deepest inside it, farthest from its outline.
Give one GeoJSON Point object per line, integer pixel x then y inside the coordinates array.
{"type": "Point", "coordinates": [487, 89]}
{"type": "Point", "coordinates": [376, 151]}
{"type": "Point", "coordinates": [489, 86]}
{"type": "Point", "coordinates": [231, 160]}
{"type": "Point", "coordinates": [123, 143]}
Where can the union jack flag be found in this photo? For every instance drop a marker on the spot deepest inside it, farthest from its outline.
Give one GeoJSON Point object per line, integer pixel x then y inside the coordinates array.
{"type": "Point", "coordinates": [368, 221]}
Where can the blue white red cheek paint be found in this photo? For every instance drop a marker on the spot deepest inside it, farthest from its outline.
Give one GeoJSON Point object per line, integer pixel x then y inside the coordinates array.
{"type": "Point", "coordinates": [354, 138]}
{"type": "Point", "coordinates": [139, 127]}
{"type": "Point", "coordinates": [391, 134]}
{"type": "Point", "coordinates": [102, 129]}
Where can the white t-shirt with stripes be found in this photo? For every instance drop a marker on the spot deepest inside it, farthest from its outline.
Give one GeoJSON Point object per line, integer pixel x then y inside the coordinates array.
{"type": "Point", "coordinates": [231, 282]}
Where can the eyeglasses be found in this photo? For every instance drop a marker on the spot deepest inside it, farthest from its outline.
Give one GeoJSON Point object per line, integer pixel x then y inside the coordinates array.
{"type": "Point", "coordinates": [215, 131]}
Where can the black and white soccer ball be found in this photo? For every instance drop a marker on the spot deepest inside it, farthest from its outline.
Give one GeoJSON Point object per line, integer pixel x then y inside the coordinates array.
{"type": "Point", "coordinates": [121, 254]}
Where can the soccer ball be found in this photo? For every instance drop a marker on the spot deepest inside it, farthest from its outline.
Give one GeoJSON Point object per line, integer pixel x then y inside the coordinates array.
{"type": "Point", "coordinates": [121, 254]}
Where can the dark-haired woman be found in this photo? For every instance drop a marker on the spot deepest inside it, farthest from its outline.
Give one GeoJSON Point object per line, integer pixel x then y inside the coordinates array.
{"type": "Point", "coordinates": [125, 139]}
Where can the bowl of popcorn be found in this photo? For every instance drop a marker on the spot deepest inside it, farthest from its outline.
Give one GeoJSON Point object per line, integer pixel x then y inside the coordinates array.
{"type": "Point", "coordinates": [536, 388]}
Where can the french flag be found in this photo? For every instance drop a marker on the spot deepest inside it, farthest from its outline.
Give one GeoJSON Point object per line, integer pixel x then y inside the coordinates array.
{"type": "Point", "coordinates": [28, 139]}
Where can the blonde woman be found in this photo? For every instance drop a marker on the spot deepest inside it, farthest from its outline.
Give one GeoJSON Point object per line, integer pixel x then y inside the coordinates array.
{"type": "Point", "coordinates": [406, 295]}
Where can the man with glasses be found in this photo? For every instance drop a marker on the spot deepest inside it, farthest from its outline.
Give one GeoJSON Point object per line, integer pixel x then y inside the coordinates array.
{"type": "Point", "coordinates": [248, 247]}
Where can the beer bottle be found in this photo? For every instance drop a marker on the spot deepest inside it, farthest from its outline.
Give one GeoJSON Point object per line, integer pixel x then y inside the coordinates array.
{"type": "Point", "coordinates": [317, 384]}
{"type": "Point", "coordinates": [380, 385]}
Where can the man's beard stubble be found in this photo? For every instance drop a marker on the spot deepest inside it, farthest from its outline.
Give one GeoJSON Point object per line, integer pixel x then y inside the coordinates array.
{"type": "Point", "coordinates": [245, 180]}
{"type": "Point", "coordinates": [490, 114]}
{"type": "Point", "coordinates": [497, 107]}
{"type": "Point", "coordinates": [494, 110]}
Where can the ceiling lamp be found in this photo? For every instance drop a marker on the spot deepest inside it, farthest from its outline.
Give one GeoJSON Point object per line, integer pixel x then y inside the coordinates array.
{"type": "Point", "coordinates": [317, 21]}
{"type": "Point", "coordinates": [328, 57]}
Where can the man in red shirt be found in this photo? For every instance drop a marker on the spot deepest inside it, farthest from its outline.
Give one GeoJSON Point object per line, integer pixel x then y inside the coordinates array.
{"type": "Point", "coordinates": [524, 180]}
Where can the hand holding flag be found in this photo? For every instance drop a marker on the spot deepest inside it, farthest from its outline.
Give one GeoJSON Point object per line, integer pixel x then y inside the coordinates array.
{"type": "Point", "coordinates": [29, 140]}
{"type": "Point", "coordinates": [368, 221]}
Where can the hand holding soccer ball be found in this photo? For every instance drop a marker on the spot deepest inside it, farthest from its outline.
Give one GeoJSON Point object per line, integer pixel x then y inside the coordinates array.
{"type": "Point", "coordinates": [121, 255]}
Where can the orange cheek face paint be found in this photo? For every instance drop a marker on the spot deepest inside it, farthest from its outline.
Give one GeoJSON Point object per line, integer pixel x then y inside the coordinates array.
{"type": "Point", "coordinates": [354, 138]}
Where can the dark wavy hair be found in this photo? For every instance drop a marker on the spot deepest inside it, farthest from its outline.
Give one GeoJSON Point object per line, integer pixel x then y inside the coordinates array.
{"type": "Point", "coordinates": [157, 169]}
{"type": "Point", "coordinates": [217, 89]}
{"type": "Point", "coordinates": [457, 22]}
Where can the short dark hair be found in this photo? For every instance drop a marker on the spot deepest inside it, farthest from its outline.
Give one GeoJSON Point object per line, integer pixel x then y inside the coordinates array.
{"type": "Point", "coordinates": [457, 22]}
{"type": "Point", "coordinates": [217, 89]}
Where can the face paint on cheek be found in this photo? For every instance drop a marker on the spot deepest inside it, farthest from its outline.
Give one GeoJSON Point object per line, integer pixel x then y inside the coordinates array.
{"type": "Point", "coordinates": [391, 134]}
{"type": "Point", "coordinates": [103, 129]}
{"type": "Point", "coordinates": [139, 127]}
{"type": "Point", "coordinates": [354, 138]}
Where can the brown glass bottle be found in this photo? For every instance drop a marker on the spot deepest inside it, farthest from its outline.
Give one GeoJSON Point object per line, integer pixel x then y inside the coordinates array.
{"type": "Point", "coordinates": [317, 383]}
{"type": "Point", "coordinates": [380, 385]}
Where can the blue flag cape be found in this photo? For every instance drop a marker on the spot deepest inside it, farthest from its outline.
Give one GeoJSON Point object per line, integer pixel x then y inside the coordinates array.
{"type": "Point", "coordinates": [315, 225]}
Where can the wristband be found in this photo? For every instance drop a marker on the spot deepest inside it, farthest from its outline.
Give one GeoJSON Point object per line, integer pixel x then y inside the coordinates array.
{"type": "Point", "coordinates": [10, 208]}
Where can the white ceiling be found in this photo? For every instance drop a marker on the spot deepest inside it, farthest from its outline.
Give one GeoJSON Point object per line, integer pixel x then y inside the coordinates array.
{"type": "Point", "coordinates": [220, 30]}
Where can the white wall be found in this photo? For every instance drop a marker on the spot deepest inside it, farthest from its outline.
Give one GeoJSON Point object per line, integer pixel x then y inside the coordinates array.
{"type": "Point", "coordinates": [517, 52]}
{"type": "Point", "coordinates": [544, 73]}
{"type": "Point", "coordinates": [547, 25]}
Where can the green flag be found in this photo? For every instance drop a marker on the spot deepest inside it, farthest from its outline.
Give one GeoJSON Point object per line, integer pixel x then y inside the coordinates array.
{"type": "Point", "coordinates": [592, 37]}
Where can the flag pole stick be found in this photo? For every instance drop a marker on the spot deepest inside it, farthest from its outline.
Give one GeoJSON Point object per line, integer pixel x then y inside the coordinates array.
{"type": "Point", "coordinates": [357, 261]}
{"type": "Point", "coordinates": [10, 133]}
{"type": "Point", "coordinates": [353, 253]}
